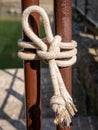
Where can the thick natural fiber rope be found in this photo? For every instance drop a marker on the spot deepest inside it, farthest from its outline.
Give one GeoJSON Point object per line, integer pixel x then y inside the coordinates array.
{"type": "Point", "coordinates": [50, 49]}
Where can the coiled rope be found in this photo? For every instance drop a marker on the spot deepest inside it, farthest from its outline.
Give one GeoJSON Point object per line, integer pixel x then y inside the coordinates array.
{"type": "Point", "coordinates": [50, 50]}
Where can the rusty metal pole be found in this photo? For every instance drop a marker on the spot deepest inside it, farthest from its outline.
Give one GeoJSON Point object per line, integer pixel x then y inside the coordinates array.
{"type": "Point", "coordinates": [32, 76]}
{"type": "Point", "coordinates": [63, 27]}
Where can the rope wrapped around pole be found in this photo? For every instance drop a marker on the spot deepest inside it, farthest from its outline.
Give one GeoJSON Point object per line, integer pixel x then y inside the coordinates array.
{"type": "Point", "coordinates": [50, 50]}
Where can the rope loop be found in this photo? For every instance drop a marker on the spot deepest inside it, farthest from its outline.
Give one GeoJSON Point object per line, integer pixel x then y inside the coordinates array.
{"type": "Point", "coordinates": [53, 50]}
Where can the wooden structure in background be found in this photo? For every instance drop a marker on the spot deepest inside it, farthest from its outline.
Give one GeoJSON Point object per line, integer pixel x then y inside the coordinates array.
{"type": "Point", "coordinates": [89, 9]}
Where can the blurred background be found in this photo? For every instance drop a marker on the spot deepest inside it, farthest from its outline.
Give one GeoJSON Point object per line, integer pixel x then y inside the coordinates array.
{"type": "Point", "coordinates": [85, 71]}
{"type": "Point", "coordinates": [11, 31]}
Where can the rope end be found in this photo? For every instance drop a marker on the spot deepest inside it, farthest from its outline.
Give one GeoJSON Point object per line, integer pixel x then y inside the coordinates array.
{"type": "Point", "coordinates": [64, 111]}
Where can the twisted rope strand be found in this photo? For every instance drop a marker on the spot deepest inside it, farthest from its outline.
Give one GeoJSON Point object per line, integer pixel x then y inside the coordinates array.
{"type": "Point", "coordinates": [50, 49]}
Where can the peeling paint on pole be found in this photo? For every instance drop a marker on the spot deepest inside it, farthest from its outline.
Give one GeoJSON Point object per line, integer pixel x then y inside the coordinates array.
{"type": "Point", "coordinates": [32, 76]}
{"type": "Point", "coordinates": [63, 27]}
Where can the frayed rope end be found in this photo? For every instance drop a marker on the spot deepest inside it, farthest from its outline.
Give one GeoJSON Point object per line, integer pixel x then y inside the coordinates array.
{"type": "Point", "coordinates": [64, 111]}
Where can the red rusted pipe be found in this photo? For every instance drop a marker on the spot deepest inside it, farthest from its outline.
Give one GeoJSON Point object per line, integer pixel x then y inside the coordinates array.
{"type": "Point", "coordinates": [63, 27]}
{"type": "Point", "coordinates": [32, 76]}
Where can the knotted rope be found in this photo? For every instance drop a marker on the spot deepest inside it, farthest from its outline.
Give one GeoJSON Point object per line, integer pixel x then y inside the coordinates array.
{"type": "Point", "coordinates": [50, 50]}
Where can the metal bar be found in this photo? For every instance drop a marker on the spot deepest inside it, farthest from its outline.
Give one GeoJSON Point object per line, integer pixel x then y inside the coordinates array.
{"type": "Point", "coordinates": [86, 7]}
{"type": "Point", "coordinates": [63, 27]}
{"type": "Point", "coordinates": [75, 3]}
{"type": "Point", "coordinates": [32, 76]}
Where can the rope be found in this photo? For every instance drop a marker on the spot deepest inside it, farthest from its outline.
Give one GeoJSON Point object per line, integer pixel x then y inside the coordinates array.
{"type": "Point", "coordinates": [50, 50]}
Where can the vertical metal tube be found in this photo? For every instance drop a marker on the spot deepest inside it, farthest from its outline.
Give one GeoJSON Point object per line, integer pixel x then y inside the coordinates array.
{"type": "Point", "coordinates": [32, 76]}
{"type": "Point", "coordinates": [63, 27]}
